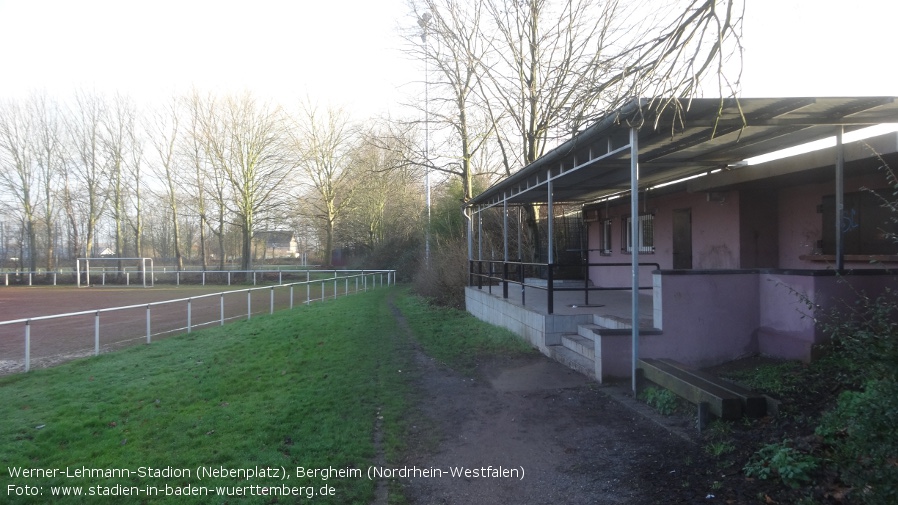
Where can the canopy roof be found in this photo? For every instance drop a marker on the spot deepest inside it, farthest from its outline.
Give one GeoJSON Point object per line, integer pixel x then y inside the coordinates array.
{"type": "Point", "coordinates": [674, 143]}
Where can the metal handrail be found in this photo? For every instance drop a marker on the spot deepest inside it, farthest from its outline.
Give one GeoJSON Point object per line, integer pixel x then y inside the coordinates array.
{"type": "Point", "coordinates": [364, 275]}
{"type": "Point", "coordinates": [505, 280]}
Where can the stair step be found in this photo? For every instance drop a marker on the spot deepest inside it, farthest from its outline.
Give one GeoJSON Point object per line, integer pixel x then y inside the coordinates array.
{"type": "Point", "coordinates": [574, 360]}
{"type": "Point", "coordinates": [581, 345]}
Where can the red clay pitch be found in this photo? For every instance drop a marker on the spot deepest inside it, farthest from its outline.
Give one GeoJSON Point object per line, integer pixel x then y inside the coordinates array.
{"type": "Point", "coordinates": [57, 340]}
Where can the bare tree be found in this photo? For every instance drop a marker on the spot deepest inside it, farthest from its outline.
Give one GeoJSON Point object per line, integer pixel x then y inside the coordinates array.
{"type": "Point", "coordinates": [48, 156]}
{"type": "Point", "coordinates": [193, 152]}
{"type": "Point", "coordinates": [246, 143]}
{"type": "Point", "coordinates": [386, 195]}
{"type": "Point", "coordinates": [18, 174]}
{"type": "Point", "coordinates": [323, 142]}
{"type": "Point", "coordinates": [453, 45]}
{"type": "Point", "coordinates": [119, 128]}
{"type": "Point", "coordinates": [164, 127]}
{"type": "Point", "coordinates": [88, 166]}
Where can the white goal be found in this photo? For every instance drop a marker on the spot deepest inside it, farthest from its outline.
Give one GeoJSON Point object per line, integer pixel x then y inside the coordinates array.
{"type": "Point", "coordinates": [120, 271]}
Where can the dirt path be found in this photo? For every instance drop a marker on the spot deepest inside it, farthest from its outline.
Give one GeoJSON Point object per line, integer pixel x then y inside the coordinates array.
{"type": "Point", "coordinates": [574, 442]}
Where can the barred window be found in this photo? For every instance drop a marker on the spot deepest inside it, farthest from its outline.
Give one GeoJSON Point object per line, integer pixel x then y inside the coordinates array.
{"type": "Point", "coordinates": [605, 238]}
{"type": "Point", "coordinates": [646, 240]}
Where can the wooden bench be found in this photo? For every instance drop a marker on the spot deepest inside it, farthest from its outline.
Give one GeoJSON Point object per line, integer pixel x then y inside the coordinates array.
{"type": "Point", "coordinates": [723, 399]}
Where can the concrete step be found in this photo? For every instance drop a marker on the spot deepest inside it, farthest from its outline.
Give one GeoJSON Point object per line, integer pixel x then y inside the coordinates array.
{"type": "Point", "coordinates": [580, 344]}
{"type": "Point", "coordinates": [573, 360]}
{"type": "Point", "coordinates": [623, 323]}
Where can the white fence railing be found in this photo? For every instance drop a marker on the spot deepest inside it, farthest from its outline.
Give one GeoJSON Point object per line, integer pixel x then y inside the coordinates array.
{"type": "Point", "coordinates": [338, 283]}
{"type": "Point", "coordinates": [103, 276]}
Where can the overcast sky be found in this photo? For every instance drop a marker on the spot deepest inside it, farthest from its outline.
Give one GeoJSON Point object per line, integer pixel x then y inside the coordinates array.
{"type": "Point", "coordinates": [347, 52]}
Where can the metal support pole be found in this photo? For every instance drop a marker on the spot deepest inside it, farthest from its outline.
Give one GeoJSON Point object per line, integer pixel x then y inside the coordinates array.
{"type": "Point", "coordinates": [291, 296]}
{"type": "Point", "coordinates": [840, 200]}
{"type": "Point", "coordinates": [480, 235]}
{"type": "Point", "coordinates": [505, 228]}
{"type": "Point", "coordinates": [189, 314]}
{"type": "Point", "coordinates": [249, 305]}
{"type": "Point", "coordinates": [550, 222]}
{"type": "Point", "coordinates": [271, 304]}
{"type": "Point", "coordinates": [308, 292]}
{"type": "Point", "coordinates": [149, 333]}
{"type": "Point", "coordinates": [221, 309]}
{"type": "Point", "coordinates": [634, 249]}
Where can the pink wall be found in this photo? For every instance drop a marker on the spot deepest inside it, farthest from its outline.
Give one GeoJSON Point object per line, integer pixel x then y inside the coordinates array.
{"type": "Point", "coordinates": [801, 225]}
{"type": "Point", "coordinates": [709, 318]}
{"type": "Point", "coordinates": [715, 236]}
{"type": "Point", "coordinates": [716, 239]}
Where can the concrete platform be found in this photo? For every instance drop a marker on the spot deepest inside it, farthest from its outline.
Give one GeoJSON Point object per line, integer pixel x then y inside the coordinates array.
{"type": "Point", "coordinates": [591, 338]}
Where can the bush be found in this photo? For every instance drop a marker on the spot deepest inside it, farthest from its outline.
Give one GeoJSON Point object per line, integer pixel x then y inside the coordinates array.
{"type": "Point", "coordinates": [861, 434]}
{"type": "Point", "coordinates": [444, 277]}
{"type": "Point", "coordinates": [790, 465]}
{"type": "Point", "coordinates": [867, 335]}
{"type": "Point", "coordinates": [662, 400]}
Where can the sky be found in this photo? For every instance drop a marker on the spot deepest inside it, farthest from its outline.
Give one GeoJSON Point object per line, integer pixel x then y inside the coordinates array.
{"type": "Point", "coordinates": [348, 52]}
{"type": "Point", "coordinates": [333, 51]}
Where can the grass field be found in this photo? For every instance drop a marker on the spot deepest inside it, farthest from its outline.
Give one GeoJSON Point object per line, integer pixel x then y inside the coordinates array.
{"type": "Point", "coordinates": [318, 389]}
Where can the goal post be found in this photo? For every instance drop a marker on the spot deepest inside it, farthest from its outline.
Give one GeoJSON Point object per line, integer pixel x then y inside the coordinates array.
{"type": "Point", "coordinates": [141, 267]}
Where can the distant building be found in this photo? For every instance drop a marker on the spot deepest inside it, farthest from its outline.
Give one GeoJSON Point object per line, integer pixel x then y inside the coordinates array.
{"type": "Point", "coordinates": [276, 244]}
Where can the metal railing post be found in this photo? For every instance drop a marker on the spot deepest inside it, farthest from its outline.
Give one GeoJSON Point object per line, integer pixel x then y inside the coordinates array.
{"type": "Point", "coordinates": [505, 280]}
{"type": "Point", "coordinates": [249, 305]}
{"type": "Point", "coordinates": [27, 345]}
{"type": "Point", "coordinates": [271, 308]}
{"type": "Point", "coordinates": [521, 274]}
{"type": "Point", "coordinates": [291, 296]}
{"type": "Point", "coordinates": [551, 294]}
{"type": "Point", "coordinates": [189, 313]}
{"type": "Point", "coordinates": [308, 293]}
{"type": "Point", "coordinates": [335, 284]}
{"type": "Point", "coordinates": [149, 334]}
{"type": "Point", "coordinates": [221, 309]}
{"type": "Point", "coordinates": [97, 333]}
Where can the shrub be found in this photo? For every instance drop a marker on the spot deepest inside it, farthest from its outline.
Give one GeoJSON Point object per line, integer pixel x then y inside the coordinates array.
{"type": "Point", "coordinates": [790, 465]}
{"type": "Point", "coordinates": [662, 400]}
{"type": "Point", "coordinates": [861, 433]}
{"type": "Point", "coordinates": [867, 335]}
{"type": "Point", "coordinates": [444, 277]}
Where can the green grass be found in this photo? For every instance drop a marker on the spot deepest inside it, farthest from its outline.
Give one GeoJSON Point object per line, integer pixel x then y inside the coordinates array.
{"type": "Point", "coordinates": [301, 388]}
{"type": "Point", "coordinates": [304, 388]}
{"type": "Point", "coordinates": [457, 338]}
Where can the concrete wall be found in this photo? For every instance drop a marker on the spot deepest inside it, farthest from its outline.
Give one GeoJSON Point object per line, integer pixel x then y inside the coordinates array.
{"type": "Point", "coordinates": [540, 330]}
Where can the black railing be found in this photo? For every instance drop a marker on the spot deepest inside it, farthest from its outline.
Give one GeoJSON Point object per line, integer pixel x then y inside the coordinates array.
{"type": "Point", "coordinates": [503, 273]}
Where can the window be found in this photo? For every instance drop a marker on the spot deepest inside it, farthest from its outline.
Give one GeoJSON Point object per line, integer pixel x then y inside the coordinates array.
{"type": "Point", "coordinates": [605, 237]}
{"type": "Point", "coordinates": [866, 224]}
{"type": "Point", "coordinates": [646, 240]}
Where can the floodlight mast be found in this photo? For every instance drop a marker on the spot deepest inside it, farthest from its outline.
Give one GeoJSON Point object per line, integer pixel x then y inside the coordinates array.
{"type": "Point", "coordinates": [423, 22]}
